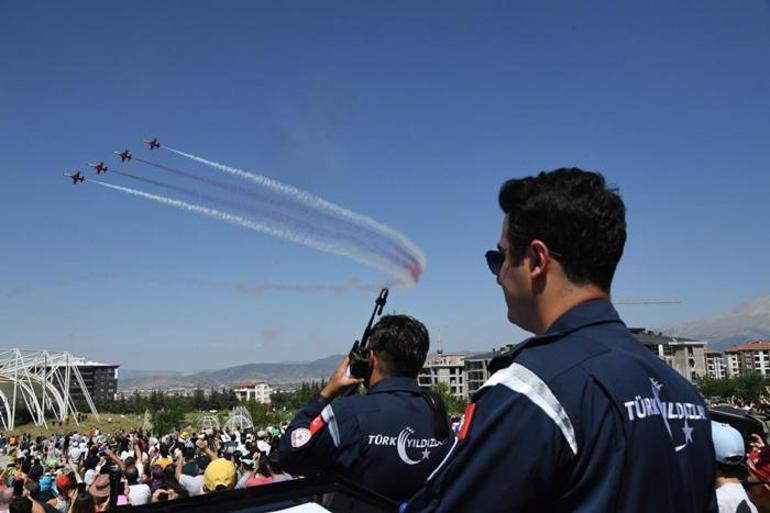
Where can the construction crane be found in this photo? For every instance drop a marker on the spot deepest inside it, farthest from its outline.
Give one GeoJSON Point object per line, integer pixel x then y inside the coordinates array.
{"type": "Point", "coordinates": [646, 301]}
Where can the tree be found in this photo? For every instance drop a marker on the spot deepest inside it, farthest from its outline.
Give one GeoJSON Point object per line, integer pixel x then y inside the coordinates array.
{"type": "Point", "coordinates": [454, 406]}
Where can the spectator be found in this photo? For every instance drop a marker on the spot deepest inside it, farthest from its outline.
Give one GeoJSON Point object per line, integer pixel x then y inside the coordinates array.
{"type": "Point", "coordinates": [261, 473]}
{"type": "Point", "coordinates": [276, 472]}
{"type": "Point", "coordinates": [6, 496]}
{"type": "Point", "coordinates": [220, 474]}
{"type": "Point", "coordinates": [758, 481]}
{"type": "Point", "coordinates": [20, 505]}
{"type": "Point", "coordinates": [138, 492]}
{"type": "Point", "coordinates": [730, 455]}
{"type": "Point", "coordinates": [83, 503]}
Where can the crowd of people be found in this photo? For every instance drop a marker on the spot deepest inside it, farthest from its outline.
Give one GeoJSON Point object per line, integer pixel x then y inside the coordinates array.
{"type": "Point", "coordinates": [78, 473]}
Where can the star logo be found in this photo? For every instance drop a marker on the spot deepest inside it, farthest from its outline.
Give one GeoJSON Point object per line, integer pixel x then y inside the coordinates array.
{"type": "Point", "coordinates": [425, 454]}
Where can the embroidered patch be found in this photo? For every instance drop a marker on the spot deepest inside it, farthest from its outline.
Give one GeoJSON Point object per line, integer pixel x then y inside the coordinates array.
{"type": "Point", "coordinates": [300, 437]}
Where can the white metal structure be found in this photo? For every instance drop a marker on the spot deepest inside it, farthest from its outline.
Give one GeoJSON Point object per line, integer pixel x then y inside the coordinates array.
{"type": "Point", "coordinates": [239, 420]}
{"type": "Point", "coordinates": [208, 422]}
{"type": "Point", "coordinates": [44, 380]}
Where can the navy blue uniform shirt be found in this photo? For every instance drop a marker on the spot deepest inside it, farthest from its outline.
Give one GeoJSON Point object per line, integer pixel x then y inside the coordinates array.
{"type": "Point", "coordinates": [384, 440]}
{"type": "Point", "coordinates": [581, 419]}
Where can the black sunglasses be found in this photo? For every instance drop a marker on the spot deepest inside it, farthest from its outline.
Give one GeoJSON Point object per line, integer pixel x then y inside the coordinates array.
{"type": "Point", "coordinates": [495, 259]}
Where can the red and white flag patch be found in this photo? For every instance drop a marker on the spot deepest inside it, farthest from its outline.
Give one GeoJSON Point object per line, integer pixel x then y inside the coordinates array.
{"type": "Point", "coordinates": [300, 437]}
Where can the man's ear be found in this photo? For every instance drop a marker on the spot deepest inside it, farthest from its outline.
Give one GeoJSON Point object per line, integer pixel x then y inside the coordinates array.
{"type": "Point", "coordinates": [539, 257]}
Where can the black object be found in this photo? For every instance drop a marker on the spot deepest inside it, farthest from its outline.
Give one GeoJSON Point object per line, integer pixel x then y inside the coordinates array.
{"type": "Point", "coordinates": [359, 353]}
{"type": "Point", "coordinates": [337, 494]}
{"type": "Point", "coordinates": [440, 415]}
{"type": "Point", "coordinates": [18, 487]}
{"type": "Point", "coordinates": [115, 476]}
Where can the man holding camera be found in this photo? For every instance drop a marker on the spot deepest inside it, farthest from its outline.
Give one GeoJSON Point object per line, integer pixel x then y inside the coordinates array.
{"type": "Point", "coordinates": [388, 440]}
{"type": "Point", "coordinates": [581, 417]}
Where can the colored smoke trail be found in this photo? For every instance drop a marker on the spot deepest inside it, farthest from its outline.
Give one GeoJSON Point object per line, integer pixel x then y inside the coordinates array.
{"type": "Point", "coordinates": [395, 271]}
{"type": "Point", "coordinates": [319, 203]}
{"type": "Point", "coordinates": [293, 223]}
{"type": "Point", "coordinates": [366, 238]}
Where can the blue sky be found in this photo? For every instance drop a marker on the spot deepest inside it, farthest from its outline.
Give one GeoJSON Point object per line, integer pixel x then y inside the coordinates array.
{"type": "Point", "coordinates": [411, 112]}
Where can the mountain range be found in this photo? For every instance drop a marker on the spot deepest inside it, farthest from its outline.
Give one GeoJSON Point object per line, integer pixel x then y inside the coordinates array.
{"type": "Point", "coordinates": [274, 373]}
{"type": "Point", "coordinates": [749, 321]}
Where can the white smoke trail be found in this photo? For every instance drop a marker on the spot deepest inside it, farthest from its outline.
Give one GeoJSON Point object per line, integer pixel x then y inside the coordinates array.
{"type": "Point", "coordinates": [366, 259]}
{"type": "Point", "coordinates": [313, 201]}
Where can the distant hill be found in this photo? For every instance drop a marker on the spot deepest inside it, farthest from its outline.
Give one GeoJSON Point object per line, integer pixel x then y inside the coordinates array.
{"type": "Point", "coordinates": [273, 373]}
{"type": "Point", "coordinates": [750, 321]}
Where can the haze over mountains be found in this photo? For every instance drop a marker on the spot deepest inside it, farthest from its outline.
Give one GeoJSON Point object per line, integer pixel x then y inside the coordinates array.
{"type": "Point", "coordinates": [273, 373]}
{"type": "Point", "coordinates": [749, 321]}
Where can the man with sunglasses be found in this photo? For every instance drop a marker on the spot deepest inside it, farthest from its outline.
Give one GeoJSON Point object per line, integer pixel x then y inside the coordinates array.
{"type": "Point", "coordinates": [581, 417]}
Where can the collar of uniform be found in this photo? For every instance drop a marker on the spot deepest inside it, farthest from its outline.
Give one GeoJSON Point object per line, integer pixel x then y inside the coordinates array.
{"type": "Point", "coordinates": [596, 311]}
{"type": "Point", "coordinates": [393, 384]}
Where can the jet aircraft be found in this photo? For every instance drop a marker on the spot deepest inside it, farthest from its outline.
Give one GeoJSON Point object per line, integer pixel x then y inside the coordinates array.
{"type": "Point", "coordinates": [153, 143]}
{"type": "Point", "coordinates": [76, 177]}
{"type": "Point", "coordinates": [124, 155]}
{"type": "Point", "coordinates": [100, 168]}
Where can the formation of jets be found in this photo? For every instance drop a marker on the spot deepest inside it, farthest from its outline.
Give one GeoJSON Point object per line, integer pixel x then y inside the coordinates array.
{"type": "Point", "coordinates": [100, 168]}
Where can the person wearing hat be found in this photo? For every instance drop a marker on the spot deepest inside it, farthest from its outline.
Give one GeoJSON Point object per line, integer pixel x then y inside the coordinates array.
{"type": "Point", "coordinates": [220, 474]}
{"type": "Point", "coordinates": [730, 453]}
{"type": "Point", "coordinates": [758, 481]}
{"type": "Point", "coordinates": [100, 487]}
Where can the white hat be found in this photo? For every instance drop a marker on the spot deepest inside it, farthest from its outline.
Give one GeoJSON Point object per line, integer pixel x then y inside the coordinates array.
{"type": "Point", "coordinates": [728, 444]}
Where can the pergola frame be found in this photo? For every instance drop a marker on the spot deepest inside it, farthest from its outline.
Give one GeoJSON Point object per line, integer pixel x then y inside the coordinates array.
{"type": "Point", "coordinates": [43, 379]}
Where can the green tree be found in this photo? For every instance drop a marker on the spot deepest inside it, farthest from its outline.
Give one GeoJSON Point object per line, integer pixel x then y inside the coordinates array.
{"type": "Point", "coordinates": [454, 405]}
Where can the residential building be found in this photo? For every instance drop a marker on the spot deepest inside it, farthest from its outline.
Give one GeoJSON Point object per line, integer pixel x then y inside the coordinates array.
{"type": "Point", "coordinates": [445, 368]}
{"type": "Point", "coordinates": [732, 366]}
{"type": "Point", "coordinates": [715, 364]}
{"type": "Point", "coordinates": [100, 379]}
{"type": "Point", "coordinates": [752, 357]}
{"type": "Point", "coordinates": [685, 355]}
{"type": "Point", "coordinates": [253, 390]}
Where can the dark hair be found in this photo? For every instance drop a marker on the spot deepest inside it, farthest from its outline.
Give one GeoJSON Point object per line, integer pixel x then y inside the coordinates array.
{"type": "Point", "coordinates": [731, 471]}
{"type": "Point", "coordinates": [273, 462]}
{"type": "Point", "coordinates": [132, 474]}
{"type": "Point", "coordinates": [575, 214]}
{"type": "Point", "coordinates": [84, 503]}
{"type": "Point", "coordinates": [33, 488]}
{"type": "Point", "coordinates": [20, 505]}
{"type": "Point", "coordinates": [401, 344]}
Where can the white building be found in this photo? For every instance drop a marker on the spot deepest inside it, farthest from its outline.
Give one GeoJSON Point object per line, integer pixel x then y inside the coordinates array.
{"type": "Point", "coordinates": [445, 368]}
{"type": "Point", "coordinates": [253, 391]}
{"type": "Point", "coordinates": [732, 365]}
{"type": "Point", "coordinates": [715, 364]}
{"type": "Point", "coordinates": [752, 357]}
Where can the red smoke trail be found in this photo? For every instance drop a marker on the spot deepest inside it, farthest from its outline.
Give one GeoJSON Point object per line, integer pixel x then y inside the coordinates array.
{"type": "Point", "coordinates": [406, 259]}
